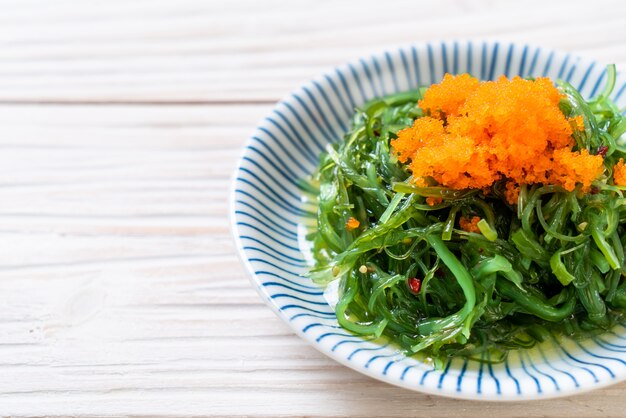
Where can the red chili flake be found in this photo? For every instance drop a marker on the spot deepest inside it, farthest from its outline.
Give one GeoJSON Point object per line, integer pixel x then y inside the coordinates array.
{"type": "Point", "coordinates": [602, 150]}
{"type": "Point", "coordinates": [415, 284]}
{"type": "Point", "coordinates": [594, 190]}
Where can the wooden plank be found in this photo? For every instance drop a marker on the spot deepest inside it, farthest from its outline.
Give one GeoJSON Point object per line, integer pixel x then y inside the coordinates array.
{"type": "Point", "coordinates": [117, 183]}
{"type": "Point", "coordinates": [193, 51]}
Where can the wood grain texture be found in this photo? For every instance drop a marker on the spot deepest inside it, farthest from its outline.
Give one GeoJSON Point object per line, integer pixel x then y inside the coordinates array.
{"type": "Point", "coordinates": [120, 289]}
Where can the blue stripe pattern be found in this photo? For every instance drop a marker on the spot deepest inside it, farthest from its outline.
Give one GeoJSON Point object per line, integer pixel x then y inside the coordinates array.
{"type": "Point", "coordinates": [270, 218]}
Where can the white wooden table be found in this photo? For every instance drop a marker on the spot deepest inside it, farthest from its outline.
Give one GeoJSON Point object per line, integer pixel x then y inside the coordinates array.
{"type": "Point", "coordinates": [120, 289]}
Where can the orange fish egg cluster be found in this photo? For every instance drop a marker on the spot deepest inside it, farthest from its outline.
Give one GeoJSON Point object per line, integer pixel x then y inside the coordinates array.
{"type": "Point", "coordinates": [469, 225]}
{"type": "Point", "coordinates": [619, 173]}
{"type": "Point", "coordinates": [477, 133]}
{"type": "Point", "coordinates": [432, 201]}
{"type": "Point", "coordinates": [352, 224]}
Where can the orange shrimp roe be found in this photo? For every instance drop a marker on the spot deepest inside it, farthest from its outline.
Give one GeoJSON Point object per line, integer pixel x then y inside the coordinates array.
{"type": "Point", "coordinates": [469, 225]}
{"type": "Point", "coordinates": [512, 192]}
{"type": "Point", "coordinates": [352, 224]}
{"type": "Point", "coordinates": [432, 201]}
{"type": "Point", "coordinates": [578, 122]}
{"type": "Point", "coordinates": [444, 98]}
{"type": "Point", "coordinates": [619, 173]}
{"type": "Point", "coordinates": [476, 133]}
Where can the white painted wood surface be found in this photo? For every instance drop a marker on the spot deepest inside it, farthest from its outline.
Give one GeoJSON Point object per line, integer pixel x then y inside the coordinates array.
{"type": "Point", "coordinates": [120, 289]}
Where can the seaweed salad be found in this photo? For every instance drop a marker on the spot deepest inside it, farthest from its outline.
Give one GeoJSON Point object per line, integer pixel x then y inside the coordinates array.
{"type": "Point", "coordinates": [474, 217]}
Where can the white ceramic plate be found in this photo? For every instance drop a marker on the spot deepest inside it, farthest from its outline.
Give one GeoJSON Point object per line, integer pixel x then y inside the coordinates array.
{"type": "Point", "coordinates": [268, 222]}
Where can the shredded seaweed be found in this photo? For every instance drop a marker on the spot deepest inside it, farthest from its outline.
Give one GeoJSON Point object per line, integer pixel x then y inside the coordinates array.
{"type": "Point", "coordinates": [473, 272]}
